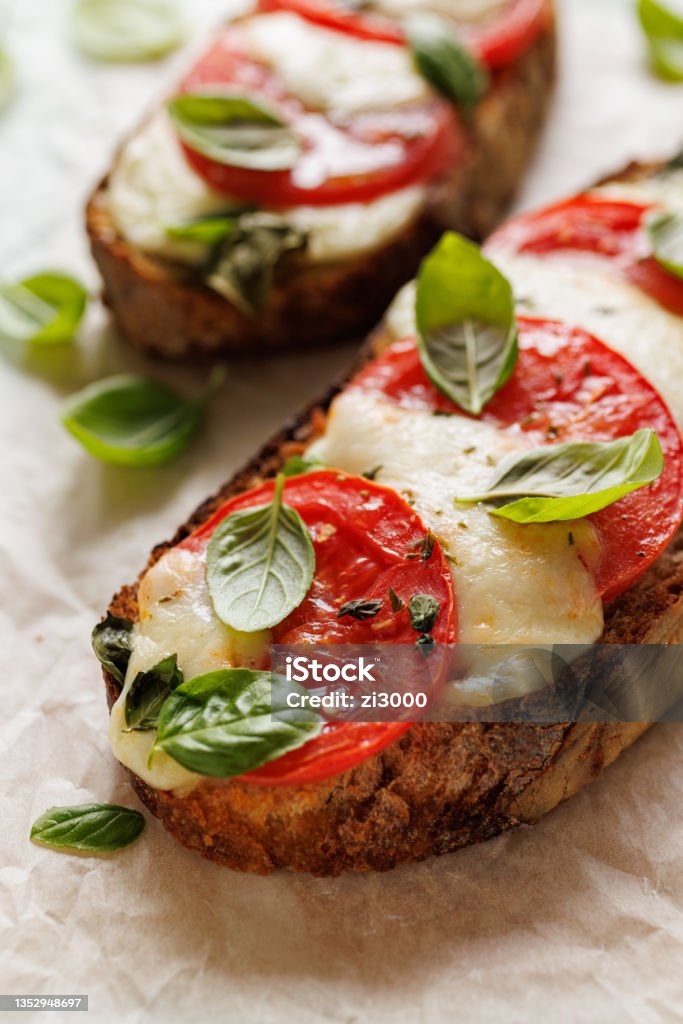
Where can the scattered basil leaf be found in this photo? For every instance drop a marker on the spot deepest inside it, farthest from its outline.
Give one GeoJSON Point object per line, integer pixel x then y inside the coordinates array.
{"type": "Point", "coordinates": [371, 474]}
{"type": "Point", "coordinates": [243, 266]}
{"type": "Point", "coordinates": [397, 603]}
{"type": "Point", "coordinates": [444, 62]}
{"type": "Point", "coordinates": [132, 421]}
{"type": "Point", "coordinates": [663, 27]}
{"type": "Point", "coordinates": [568, 481]}
{"type": "Point", "coordinates": [465, 315]}
{"type": "Point", "coordinates": [423, 549]}
{"type": "Point", "coordinates": [97, 828]}
{"type": "Point", "coordinates": [665, 231]}
{"type": "Point", "coordinates": [424, 611]}
{"type": "Point", "coordinates": [45, 309]}
{"type": "Point", "coordinates": [7, 79]}
{"type": "Point", "coordinates": [210, 230]}
{"type": "Point", "coordinates": [126, 30]}
{"type": "Point", "coordinates": [234, 129]}
{"type": "Point", "coordinates": [360, 609]}
{"type": "Point", "coordinates": [112, 643]}
{"type": "Point", "coordinates": [259, 564]}
{"type": "Point", "coordinates": [232, 721]}
{"type": "Point", "coordinates": [298, 464]}
{"type": "Point", "coordinates": [147, 694]}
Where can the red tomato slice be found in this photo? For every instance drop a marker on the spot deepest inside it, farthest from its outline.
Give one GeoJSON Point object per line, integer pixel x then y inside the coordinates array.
{"type": "Point", "coordinates": [569, 386]}
{"type": "Point", "coordinates": [355, 159]}
{"type": "Point", "coordinates": [496, 41]}
{"type": "Point", "coordinates": [362, 534]}
{"type": "Point", "coordinates": [607, 229]}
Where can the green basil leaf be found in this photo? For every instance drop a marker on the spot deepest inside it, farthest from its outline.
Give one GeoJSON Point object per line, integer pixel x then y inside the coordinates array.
{"type": "Point", "coordinates": [45, 309]}
{"type": "Point", "coordinates": [424, 611]}
{"type": "Point", "coordinates": [232, 721]}
{"type": "Point", "coordinates": [126, 30]}
{"type": "Point", "coordinates": [97, 828]}
{"type": "Point", "coordinates": [360, 609]}
{"type": "Point", "coordinates": [259, 565]}
{"type": "Point", "coordinates": [665, 231]}
{"type": "Point", "coordinates": [7, 79]}
{"type": "Point", "coordinates": [444, 62]}
{"type": "Point", "coordinates": [298, 464]}
{"type": "Point", "coordinates": [132, 421]}
{"type": "Point", "coordinates": [211, 230]}
{"type": "Point", "coordinates": [243, 268]}
{"type": "Point", "coordinates": [233, 129]}
{"type": "Point", "coordinates": [663, 27]}
{"type": "Point", "coordinates": [148, 691]}
{"type": "Point", "coordinates": [465, 315]}
{"type": "Point", "coordinates": [568, 481]}
{"type": "Point", "coordinates": [112, 643]}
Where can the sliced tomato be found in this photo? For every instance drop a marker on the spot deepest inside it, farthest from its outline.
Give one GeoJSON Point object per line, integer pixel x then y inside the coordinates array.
{"type": "Point", "coordinates": [496, 40]}
{"type": "Point", "coordinates": [607, 229]}
{"type": "Point", "coordinates": [569, 386]}
{"type": "Point", "coordinates": [365, 538]}
{"type": "Point", "coordinates": [351, 159]}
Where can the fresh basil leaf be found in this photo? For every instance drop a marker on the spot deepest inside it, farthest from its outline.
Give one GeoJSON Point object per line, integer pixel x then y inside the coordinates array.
{"type": "Point", "coordinates": [211, 230]}
{"type": "Point", "coordinates": [243, 268]}
{"type": "Point", "coordinates": [112, 643]}
{"type": "Point", "coordinates": [465, 315]}
{"type": "Point", "coordinates": [360, 609]}
{"type": "Point", "coordinates": [232, 721]}
{"type": "Point", "coordinates": [97, 828]}
{"type": "Point", "coordinates": [233, 129]}
{"type": "Point", "coordinates": [45, 309]}
{"type": "Point", "coordinates": [298, 464]}
{"type": "Point", "coordinates": [126, 30]}
{"type": "Point", "coordinates": [663, 27]}
{"type": "Point", "coordinates": [665, 231]}
{"type": "Point", "coordinates": [259, 564]}
{"type": "Point", "coordinates": [7, 79]}
{"type": "Point", "coordinates": [147, 694]}
{"type": "Point", "coordinates": [568, 481]}
{"type": "Point", "coordinates": [424, 611]}
{"type": "Point", "coordinates": [132, 421]}
{"type": "Point", "coordinates": [444, 62]}
{"type": "Point", "coordinates": [397, 603]}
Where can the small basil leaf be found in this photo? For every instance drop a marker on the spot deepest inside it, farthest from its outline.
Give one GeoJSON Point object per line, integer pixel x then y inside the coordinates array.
{"type": "Point", "coordinates": [148, 691]}
{"type": "Point", "coordinates": [112, 643]}
{"type": "Point", "coordinates": [243, 268]}
{"type": "Point", "coordinates": [45, 309]}
{"type": "Point", "coordinates": [232, 721]}
{"type": "Point", "coordinates": [424, 611]}
{"type": "Point", "coordinates": [665, 231]}
{"type": "Point", "coordinates": [444, 62]}
{"type": "Point", "coordinates": [205, 230]}
{"type": "Point", "coordinates": [360, 609]}
{"type": "Point", "coordinates": [97, 828]}
{"type": "Point", "coordinates": [233, 129]}
{"type": "Point", "coordinates": [465, 315]}
{"type": "Point", "coordinates": [126, 30]}
{"type": "Point", "coordinates": [568, 481]}
{"type": "Point", "coordinates": [132, 421]}
{"type": "Point", "coordinates": [298, 464]}
{"type": "Point", "coordinates": [663, 27]}
{"type": "Point", "coordinates": [259, 565]}
{"type": "Point", "coordinates": [397, 603]}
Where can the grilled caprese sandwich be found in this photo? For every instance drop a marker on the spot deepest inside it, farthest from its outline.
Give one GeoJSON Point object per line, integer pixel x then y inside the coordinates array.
{"type": "Point", "coordinates": [309, 160]}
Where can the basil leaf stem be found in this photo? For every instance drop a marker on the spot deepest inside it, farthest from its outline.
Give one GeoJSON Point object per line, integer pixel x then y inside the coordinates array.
{"type": "Point", "coordinates": [126, 30]}
{"type": "Point", "coordinates": [96, 828]}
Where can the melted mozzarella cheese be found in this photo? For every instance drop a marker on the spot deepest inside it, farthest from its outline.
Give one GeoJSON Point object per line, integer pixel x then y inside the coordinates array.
{"type": "Point", "coordinates": [332, 71]}
{"type": "Point", "coordinates": [152, 188]}
{"type": "Point", "coordinates": [664, 189]}
{"type": "Point", "coordinates": [176, 617]}
{"type": "Point", "coordinates": [513, 584]}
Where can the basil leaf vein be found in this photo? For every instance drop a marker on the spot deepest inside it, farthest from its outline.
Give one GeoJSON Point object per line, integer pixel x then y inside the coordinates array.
{"type": "Point", "coordinates": [97, 828]}
{"type": "Point", "coordinates": [465, 316]}
{"type": "Point", "coordinates": [132, 421]}
{"type": "Point", "coordinates": [232, 721]}
{"type": "Point", "coordinates": [260, 564]}
{"type": "Point", "coordinates": [126, 30]}
{"type": "Point", "coordinates": [444, 62]}
{"type": "Point", "coordinates": [112, 643]}
{"type": "Point", "coordinates": [664, 30]}
{"type": "Point", "coordinates": [45, 309]}
{"type": "Point", "coordinates": [665, 231]}
{"type": "Point", "coordinates": [233, 129]}
{"type": "Point", "coordinates": [568, 481]}
{"type": "Point", "coordinates": [148, 692]}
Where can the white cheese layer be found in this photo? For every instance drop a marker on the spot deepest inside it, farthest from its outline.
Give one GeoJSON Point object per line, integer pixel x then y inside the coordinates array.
{"type": "Point", "coordinates": [664, 189]}
{"type": "Point", "coordinates": [152, 188]}
{"type": "Point", "coordinates": [176, 617]}
{"type": "Point", "coordinates": [457, 10]}
{"type": "Point", "coordinates": [513, 584]}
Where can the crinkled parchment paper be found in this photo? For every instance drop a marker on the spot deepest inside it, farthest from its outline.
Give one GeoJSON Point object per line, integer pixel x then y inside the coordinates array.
{"type": "Point", "coordinates": [577, 919]}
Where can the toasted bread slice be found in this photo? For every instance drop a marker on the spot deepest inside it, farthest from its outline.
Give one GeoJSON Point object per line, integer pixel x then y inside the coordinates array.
{"type": "Point", "coordinates": [162, 311]}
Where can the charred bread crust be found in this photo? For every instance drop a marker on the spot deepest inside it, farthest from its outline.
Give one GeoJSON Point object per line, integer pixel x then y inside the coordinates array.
{"type": "Point", "coordinates": [318, 304]}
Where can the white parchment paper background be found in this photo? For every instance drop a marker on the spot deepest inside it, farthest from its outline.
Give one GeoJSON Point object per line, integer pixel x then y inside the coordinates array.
{"type": "Point", "coordinates": [576, 920]}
